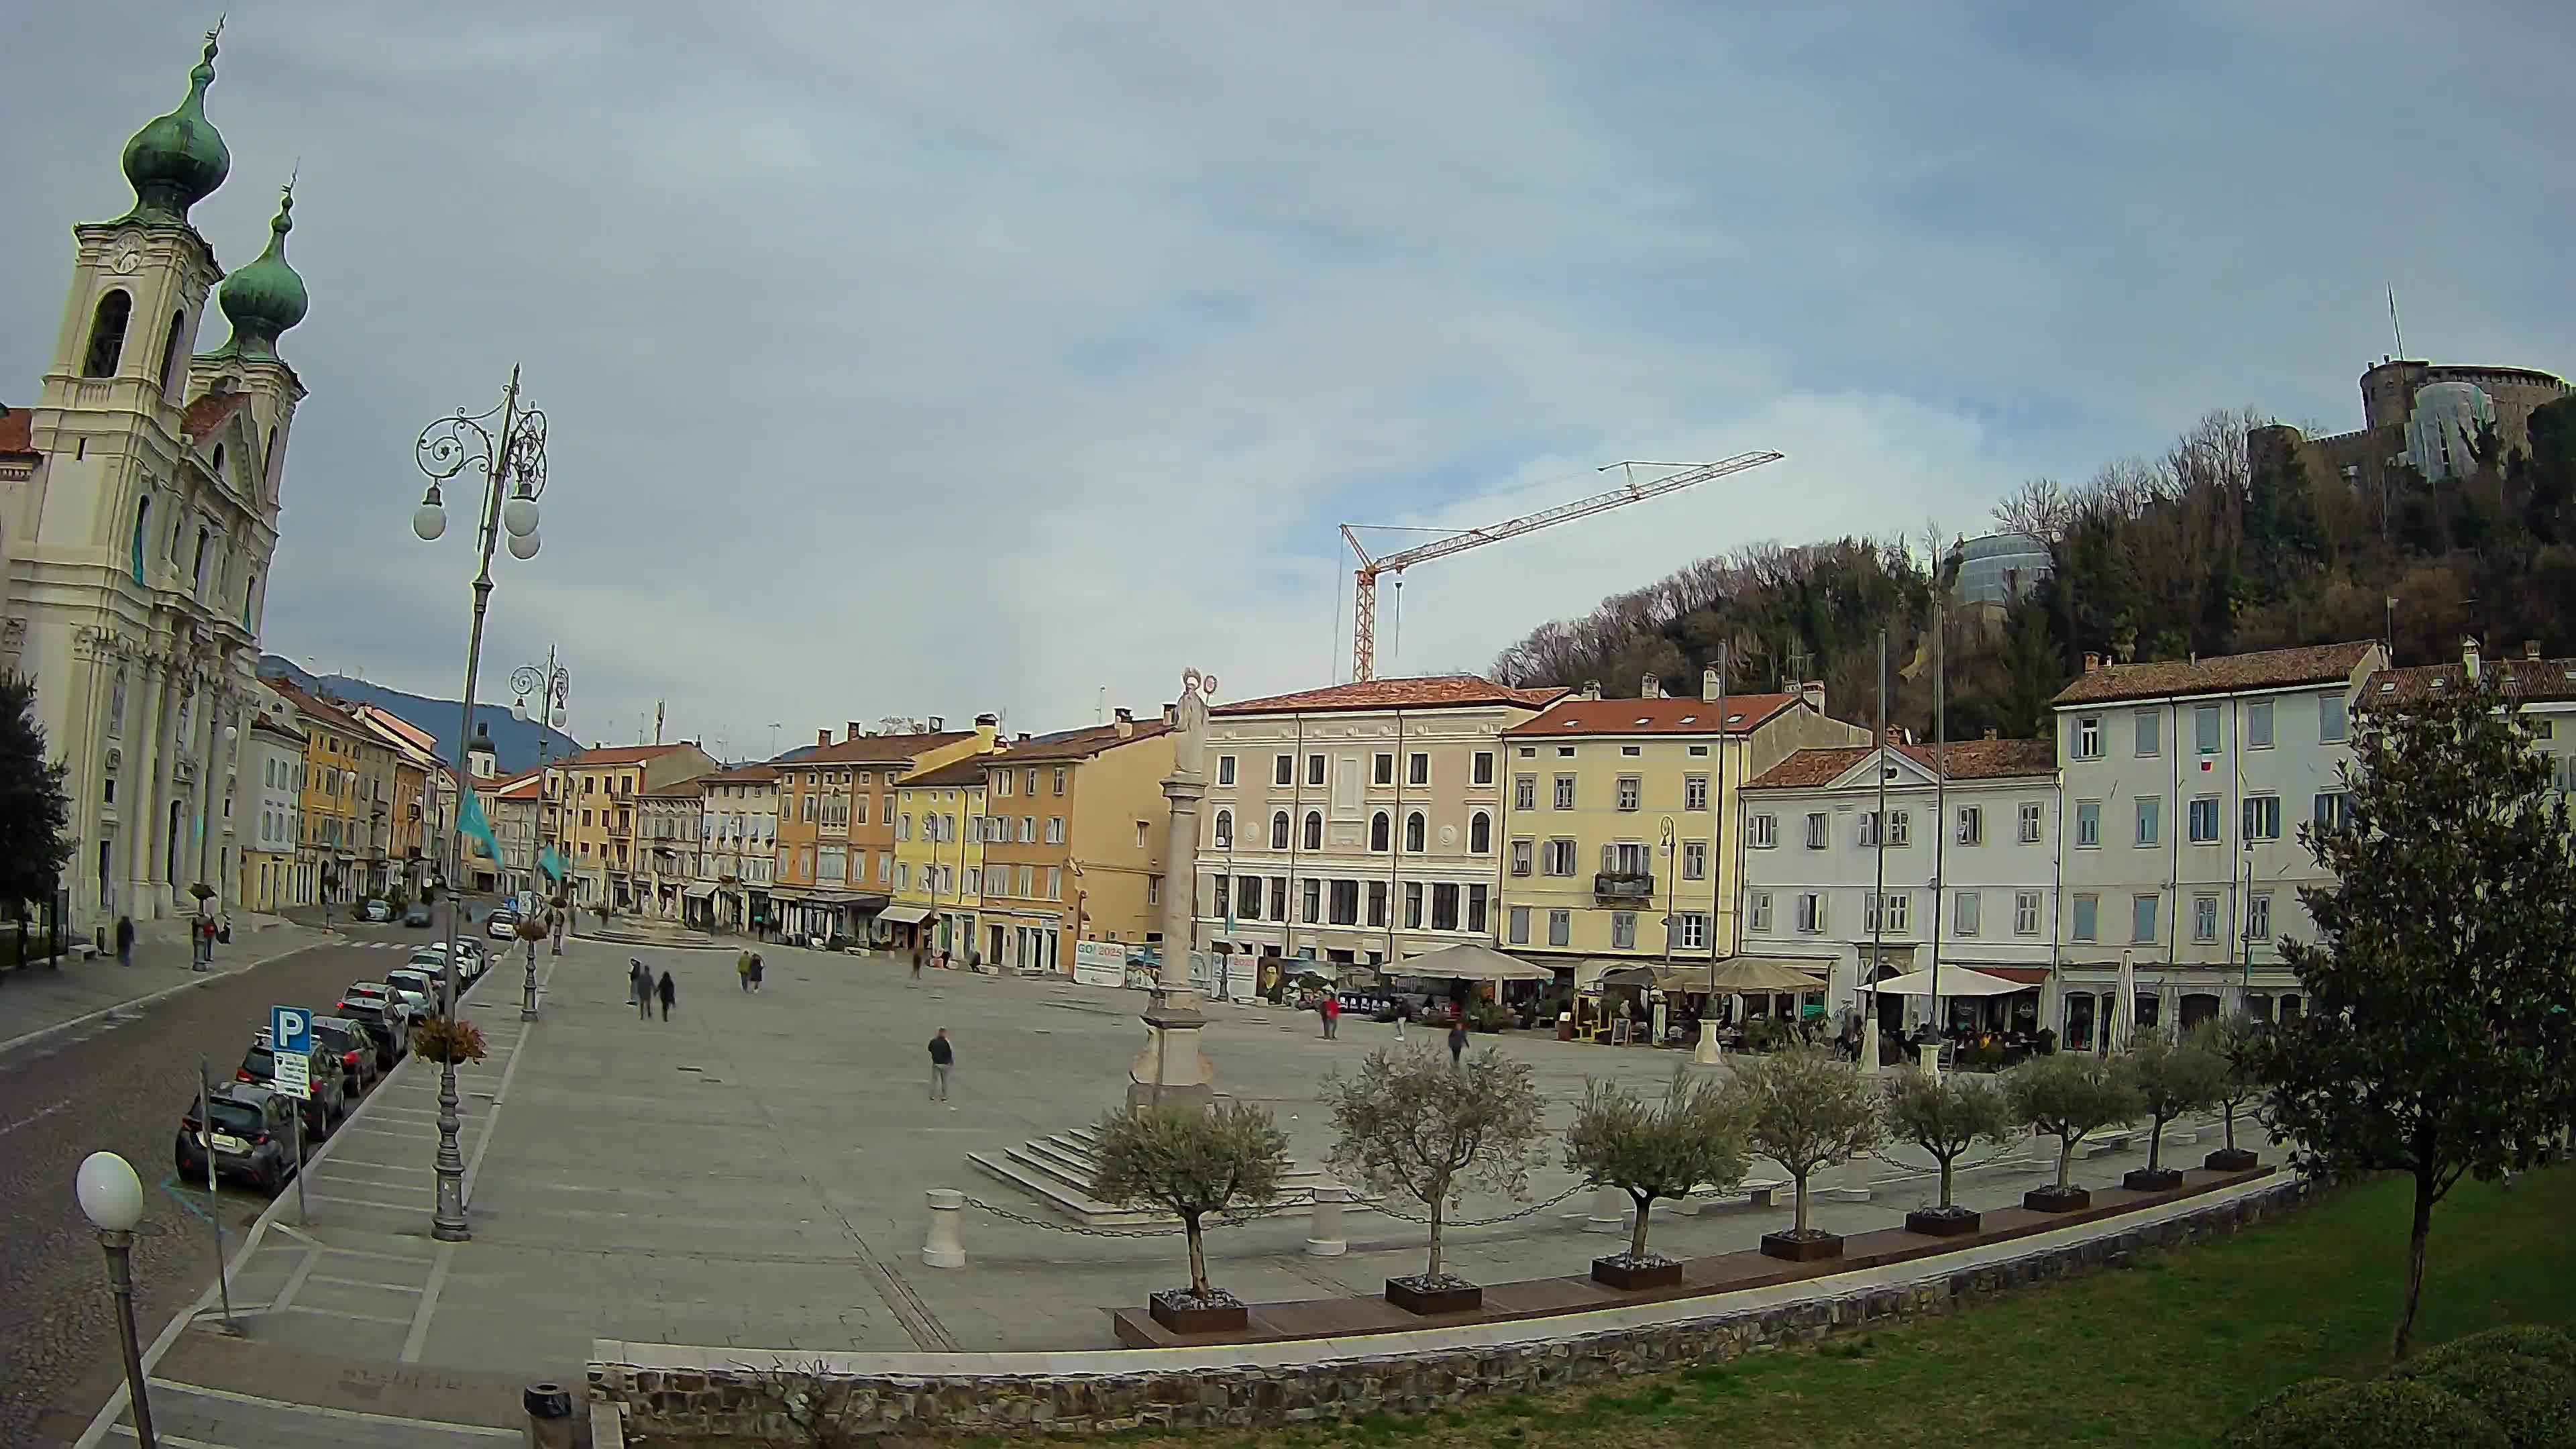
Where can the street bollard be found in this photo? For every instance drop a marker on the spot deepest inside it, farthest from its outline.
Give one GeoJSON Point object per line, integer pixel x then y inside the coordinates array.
{"type": "Point", "coordinates": [1324, 1226]}
{"type": "Point", "coordinates": [943, 1250]}
{"type": "Point", "coordinates": [1610, 1208]}
{"type": "Point", "coordinates": [1708, 1053]}
{"type": "Point", "coordinates": [549, 1409]}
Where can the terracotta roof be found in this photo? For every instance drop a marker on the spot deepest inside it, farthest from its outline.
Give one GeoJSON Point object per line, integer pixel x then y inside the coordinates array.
{"type": "Point", "coordinates": [1572, 716]}
{"type": "Point", "coordinates": [277, 726]}
{"type": "Point", "coordinates": [17, 430]}
{"type": "Point", "coordinates": [2227, 673]}
{"type": "Point", "coordinates": [968, 772]}
{"type": "Point", "coordinates": [616, 755]}
{"type": "Point", "coordinates": [2519, 679]}
{"type": "Point", "coordinates": [208, 412]}
{"type": "Point", "coordinates": [1079, 744]}
{"type": "Point", "coordinates": [694, 785]}
{"type": "Point", "coordinates": [876, 749]}
{"type": "Point", "coordinates": [1431, 691]}
{"type": "Point", "coordinates": [742, 775]}
{"type": "Point", "coordinates": [529, 783]}
{"type": "Point", "coordinates": [1969, 760]}
{"type": "Point", "coordinates": [329, 714]}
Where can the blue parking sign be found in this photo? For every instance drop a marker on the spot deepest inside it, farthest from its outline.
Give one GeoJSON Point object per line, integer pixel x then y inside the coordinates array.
{"type": "Point", "coordinates": [290, 1030]}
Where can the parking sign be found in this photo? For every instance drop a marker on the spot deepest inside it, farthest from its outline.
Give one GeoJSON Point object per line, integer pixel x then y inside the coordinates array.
{"type": "Point", "coordinates": [290, 1040]}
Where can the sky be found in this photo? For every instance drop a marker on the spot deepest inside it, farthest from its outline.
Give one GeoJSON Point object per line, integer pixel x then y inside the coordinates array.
{"type": "Point", "coordinates": [929, 360]}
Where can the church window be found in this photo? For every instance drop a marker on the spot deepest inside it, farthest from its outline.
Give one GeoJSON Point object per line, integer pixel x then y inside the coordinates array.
{"type": "Point", "coordinates": [199, 572]}
{"type": "Point", "coordinates": [170, 351]}
{"type": "Point", "coordinates": [142, 513]}
{"type": "Point", "coordinates": [219, 460]}
{"type": "Point", "coordinates": [107, 334]}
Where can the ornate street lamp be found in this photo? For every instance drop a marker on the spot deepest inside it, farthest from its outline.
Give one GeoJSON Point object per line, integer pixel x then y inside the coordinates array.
{"type": "Point", "coordinates": [507, 445]}
{"type": "Point", "coordinates": [111, 1197]}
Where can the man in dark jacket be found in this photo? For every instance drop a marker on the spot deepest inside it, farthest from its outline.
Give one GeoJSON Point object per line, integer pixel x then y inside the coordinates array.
{"type": "Point", "coordinates": [125, 940]}
{"type": "Point", "coordinates": [942, 1057]}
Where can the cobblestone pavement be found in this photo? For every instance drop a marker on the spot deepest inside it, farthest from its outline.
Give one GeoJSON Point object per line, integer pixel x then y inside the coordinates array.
{"type": "Point", "coordinates": [120, 1082]}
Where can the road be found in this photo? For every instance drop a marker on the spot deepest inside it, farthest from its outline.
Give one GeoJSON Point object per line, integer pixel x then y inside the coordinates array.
{"type": "Point", "coordinates": [122, 1086]}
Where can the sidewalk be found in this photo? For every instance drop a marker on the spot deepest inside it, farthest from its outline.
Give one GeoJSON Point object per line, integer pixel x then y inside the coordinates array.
{"type": "Point", "coordinates": [39, 1003]}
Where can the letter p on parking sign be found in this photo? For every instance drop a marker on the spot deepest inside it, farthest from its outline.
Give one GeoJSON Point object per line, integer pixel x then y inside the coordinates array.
{"type": "Point", "coordinates": [290, 1030]}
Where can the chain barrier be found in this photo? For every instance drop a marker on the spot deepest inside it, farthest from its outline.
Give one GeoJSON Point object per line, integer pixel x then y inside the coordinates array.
{"type": "Point", "coordinates": [1224, 1220]}
{"type": "Point", "coordinates": [1535, 1207]}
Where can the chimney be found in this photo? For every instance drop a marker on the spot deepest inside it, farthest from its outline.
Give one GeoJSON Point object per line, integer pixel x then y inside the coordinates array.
{"type": "Point", "coordinates": [855, 731]}
{"type": "Point", "coordinates": [2530, 648]}
{"type": "Point", "coordinates": [824, 737]}
{"type": "Point", "coordinates": [937, 724]}
{"type": "Point", "coordinates": [2092, 662]}
{"type": "Point", "coordinates": [1023, 739]}
{"type": "Point", "coordinates": [1708, 685]}
{"type": "Point", "coordinates": [2469, 656]}
{"type": "Point", "coordinates": [1171, 715]}
{"type": "Point", "coordinates": [1650, 687]}
{"type": "Point", "coordinates": [988, 729]}
{"type": "Point", "coordinates": [1592, 689]}
{"type": "Point", "coordinates": [1126, 723]}
{"type": "Point", "coordinates": [1813, 692]}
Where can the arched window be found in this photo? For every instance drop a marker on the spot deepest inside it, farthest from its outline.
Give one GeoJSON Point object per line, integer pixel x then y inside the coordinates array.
{"type": "Point", "coordinates": [1413, 831]}
{"type": "Point", "coordinates": [1377, 831]}
{"type": "Point", "coordinates": [142, 516]}
{"type": "Point", "coordinates": [1279, 830]}
{"type": "Point", "coordinates": [170, 352]}
{"type": "Point", "coordinates": [107, 335]}
{"type": "Point", "coordinates": [219, 460]}
{"type": "Point", "coordinates": [1480, 833]}
{"type": "Point", "coordinates": [1225, 830]}
{"type": "Point", "coordinates": [1314, 830]}
{"type": "Point", "coordinates": [199, 571]}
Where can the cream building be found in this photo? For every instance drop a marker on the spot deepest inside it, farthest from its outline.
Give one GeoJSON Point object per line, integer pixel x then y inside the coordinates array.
{"type": "Point", "coordinates": [738, 845]}
{"type": "Point", "coordinates": [143, 490]}
{"type": "Point", "coordinates": [1360, 823]}
{"type": "Point", "coordinates": [666, 846]}
{"type": "Point", "coordinates": [273, 817]}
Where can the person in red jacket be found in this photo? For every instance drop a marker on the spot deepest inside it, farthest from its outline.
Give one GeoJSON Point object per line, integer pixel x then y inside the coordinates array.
{"type": "Point", "coordinates": [1332, 1013]}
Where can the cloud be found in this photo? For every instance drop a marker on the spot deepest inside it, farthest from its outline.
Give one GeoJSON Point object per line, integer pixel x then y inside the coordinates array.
{"type": "Point", "coordinates": [938, 359]}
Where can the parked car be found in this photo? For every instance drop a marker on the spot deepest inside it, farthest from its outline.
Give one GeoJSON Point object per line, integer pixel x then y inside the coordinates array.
{"type": "Point", "coordinates": [378, 910]}
{"type": "Point", "coordinates": [431, 961]}
{"type": "Point", "coordinates": [414, 981]}
{"type": "Point", "coordinates": [384, 1021]}
{"type": "Point", "coordinates": [356, 1047]}
{"type": "Point", "coordinates": [250, 1138]}
{"type": "Point", "coordinates": [416, 914]}
{"type": "Point", "coordinates": [329, 1101]}
{"type": "Point", "coordinates": [414, 1003]}
{"type": "Point", "coordinates": [503, 925]}
{"type": "Point", "coordinates": [471, 959]}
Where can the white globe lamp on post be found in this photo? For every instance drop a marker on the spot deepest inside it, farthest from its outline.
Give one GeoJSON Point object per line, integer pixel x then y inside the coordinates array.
{"type": "Point", "coordinates": [111, 1197]}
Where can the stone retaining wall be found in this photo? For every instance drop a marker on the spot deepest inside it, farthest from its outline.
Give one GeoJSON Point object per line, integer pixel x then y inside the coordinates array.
{"type": "Point", "coordinates": [733, 1400]}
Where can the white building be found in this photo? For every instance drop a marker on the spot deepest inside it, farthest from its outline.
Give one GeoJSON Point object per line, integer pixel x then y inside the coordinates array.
{"type": "Point", "coordinates": [272, 761]}
{"type": "Point", "coordinates": [2185, 784]}
{"type": "Point", "coordinates": [738, 833]}
{"type": "Point", "coordinates": [1300, 852]}
{"type": "Point", "coordinates": [139, 539]}
{"type": "Point", "coordinates": [1969, 868]}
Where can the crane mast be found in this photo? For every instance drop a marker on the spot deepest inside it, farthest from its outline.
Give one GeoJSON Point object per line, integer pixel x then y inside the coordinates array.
{"type": "Point", "coordinates": [1364, 600]}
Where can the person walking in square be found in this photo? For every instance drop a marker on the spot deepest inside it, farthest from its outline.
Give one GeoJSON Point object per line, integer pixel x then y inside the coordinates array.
{"type": "Point", "coordinates": [669, 993]}
{"type": "Point", "coordinates": [640, 989]}
{"type": "Point", "coordinates": [742, 968]}
{"type": "Point", "coordinates": [1458, 1038]}
{"type": "Point", "coordinates": [755, 973]}
{"type": "Point", "coordinates": [916, 964]}
{"type": "Point", "coordinates": [125, 940]}
{"type": "Point", "coordinates": [1331, 1011]}
{"type": "Point", "coordinates": [942, 1057]}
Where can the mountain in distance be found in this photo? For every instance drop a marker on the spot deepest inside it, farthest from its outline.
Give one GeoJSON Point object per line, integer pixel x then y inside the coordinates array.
{"type": "Point", "coordinates": [517, 744]}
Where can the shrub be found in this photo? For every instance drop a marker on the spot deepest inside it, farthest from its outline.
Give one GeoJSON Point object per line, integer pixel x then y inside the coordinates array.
{"type": "Point", "coordinates": [2532, 1400]}
{"type": "Point", "coordinates": [2386, 1414]}
{"type": "Point", "coordinates": [2530, 1340]}
{"type": "Point", "coordinates": [1491, 1016]}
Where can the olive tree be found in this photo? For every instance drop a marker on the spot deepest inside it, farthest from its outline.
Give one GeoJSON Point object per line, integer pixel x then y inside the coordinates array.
{"type": "Point", "coordinates": [1191, 1163]}
{"type": "Point", "coordinates": [1695, 1137]}
{"type": "Point", "coordinates": [2238, 1043]}
{"type": "Point", "coordinates": [1410, 1123]}
{"type": "Point", "coordinates": [1807, 1109]}
{"type": "Point", "coordinates": [1945, 1116]}
{"type": "Point", "coordinates": [2173, 1077]}
{"type": "Point", "coordinates": [2070, 1096]}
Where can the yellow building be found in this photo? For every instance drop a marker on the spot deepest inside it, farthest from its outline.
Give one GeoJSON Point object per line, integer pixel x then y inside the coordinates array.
{"type": "Point", "coordinates": [271, 878]}
{"type": "Point", "coordinates": [341, 759]}
{"type": "Point", "coordinates": [1622, 814]}
{"type": "Point", "coordinates": [938, 857]}
{"type": "Point", "coordinates": [1075, 831]}
{"type": "Point", "coordinates": [590, 808]}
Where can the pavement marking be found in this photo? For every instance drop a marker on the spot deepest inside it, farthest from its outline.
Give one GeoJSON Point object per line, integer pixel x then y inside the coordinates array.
{"type": "Point", "coordinates": [339, 1313]}
{"type": "Point", "coordinates": [365, 1283]}
{"type": "Point", "coordinates": [295, 1280]}
{"type": "Point", "coordinates": [380, 1257]}
{"type": "Point", "coordinates": [368, 1202]}
{"type": "Point", "coordinates": [480, 1431]}
{"type": "Point", "coordinates": [39, 1115]}
{"type": "Point", "coordinates": [382, 1166]}
{"type": "Point", "coordinates": [160, 1438]}
{"type": "Point", "coordinates": [419, 1335]}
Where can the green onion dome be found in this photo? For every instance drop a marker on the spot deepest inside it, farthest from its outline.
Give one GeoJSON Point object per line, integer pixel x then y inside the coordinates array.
{"type": "Point", "coordinates": [178, 160]}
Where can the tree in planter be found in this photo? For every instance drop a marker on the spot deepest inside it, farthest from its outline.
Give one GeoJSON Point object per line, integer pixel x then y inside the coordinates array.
{"type": "Point", "coordinates": [2238, 1042]}
{"type": "Point", "coordinates": [35, 816]}
{"type": "Point", "coordinates": [1410, 1123]}
{"type": "Point", "coordinates": [442, 1040]}
{"type": "Point", "coordinates": [2171, 1078]}
{"type": "Point", "coordinates": [2070, 1097]}
{"type": "Point", "coordinates": [1191, 1163]}
{"type": "Point", "coordinates": [1945, 1116]}
{"type": "Point", "coordinates": [1808, 1109]}
{"type": "Point", "coordinates": [2440, 991]}
{"type": "Point", "coordinates": [1696, 1137]}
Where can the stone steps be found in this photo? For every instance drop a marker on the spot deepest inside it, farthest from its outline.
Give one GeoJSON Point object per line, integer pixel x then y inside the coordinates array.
{"type": "Point", "coordinates": [1057, 1171]}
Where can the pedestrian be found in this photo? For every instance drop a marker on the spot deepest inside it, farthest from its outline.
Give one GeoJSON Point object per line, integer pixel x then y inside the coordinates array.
{"type": "Point", "coordinates": [755, 973]}
{"type": "Point", "coordinates": [942, 1056]}
{"type": "Point", "coordinates": [916, 964]}
{"type": "Point", "coordinates": [669, 994]}
{"type": "Point", "coordinates": [1458, 1038]}
{"type": "Point", "coordinates": [1332, 1012]}
{"type": "Point", "coordinates": [125, 940]}
{"type": "Point", "coordinates": [742, 968]}
{"type": "Point", "coordinates": [643, 991]}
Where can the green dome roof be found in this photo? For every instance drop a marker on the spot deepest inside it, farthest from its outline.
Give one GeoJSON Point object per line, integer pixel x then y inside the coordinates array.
{"type": "Point", "coordinates": [178, 160]}
{"type": "Point", "coordinates": [267, 297]}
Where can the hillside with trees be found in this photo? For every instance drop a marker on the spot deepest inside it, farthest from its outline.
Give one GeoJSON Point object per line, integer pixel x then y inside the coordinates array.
{"type": "Point", "coordinates": [2203, 550]}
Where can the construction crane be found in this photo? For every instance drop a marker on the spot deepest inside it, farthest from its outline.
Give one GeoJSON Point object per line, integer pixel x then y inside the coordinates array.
{"type": "Point", "coordinates": [1364, 603]}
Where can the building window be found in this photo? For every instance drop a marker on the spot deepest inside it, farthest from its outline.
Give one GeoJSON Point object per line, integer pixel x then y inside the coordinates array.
{"type": "Point", "coordinates": [1757, 907]}
{"type": "Point", "coordinates": [1480, 834]}
{"type": "Point", "coordinates": [1055, 830]}
{"type": "Point", "coordinates": [1279, 898]}
{"type": "Point", "coordinates": [2258, 725]}
{"type": "Point", "coordinates": [1345, 905]}
{"type": "Point", "coordinates": [1413, 832]}
{"type": "Point", "coordinates": [1762, 832]}
{"type": "Point", "coordinates": [107, 334]}
{"type": "Point", "coordinates": [1820, 831]}
{"type": "Point", "coordinates": [1058, 781]}
{"type": "Point", "coordinates": [1314, 902]}
{"type": "Point", "coordinates": [1378, 832]}
{"type": "Point", "coordinates": [1279, 830]}
{"type": "Point", "coordinates": [1558, 857]}
{"type": "Point", "coordinates": [1967, 913]}
{"type": "Point", "coordinates": [2088, 737]}
{"type": "Point", "coordinates": [1224, 902]}
{"type": "Point", "coordinates": [1314, 769]}
{"type": "Point", "coordinates": [1516, 926]}
{"type": "Point", "coordinates": [1225, 769]}
{"type": "Point", "coordinates": [2150, 728]}
{"type": "Point", "coordinates": [2151, 810]}
{"type": "Point", "coordinates": [2331, 722]}
{"type": "Point", "coordinates": [1382, 768]}
{"type": "Point", "coordinates": [2262, 817]}
{"type": "Point", "coordinates": [1811, 912]}
{"type": "Point", "coordinates": [1153, 890]}
{"type": "Point", "coordinates": [2142, 918]}
{"type": "Point", "coordinates": [1631, 792]}
{"type": "Point", "coordinates": [1565, 792]}
{"type": "Point", "coordinates": [1417, 769]}
{"type": "Point", "coordinates": [1560, 927]}
{"type": "Point", "coordinates": [1483, 768]}
{"type": "Point", "coordinates": [1283, 771]}
{"type": "Point", "coordinates": [1413, 905]}
{"type": "Point", "coordinates": [1525, 792]}
{"type": "Point", "coordinates": [1247, 898]}
{"type": "Point", "coordinates": [2333, 809]}
{"type": "Point", "coordinates": [1623, 930]}
{"type": "Point", "coordinates": [1694, 792]}
{"type": "Point", "coordinates": [1972, 825]}
{"type": "Point", "coordinates": [1900, 828]}
{"type": "Point", "coordinates": [2025, 913]}
{"type": "Point", "coordinates": [1315, 829]}
{"type": "Point", "coordinates": [1476, 898]}
{"type": "Point", "coordinates": [1694, 860]}
{"type": "Point", "coordinates": [2088, 911]}
{"type": "Point", "coordinates": [2258, 916]}
{"type": "Point", "coordinates": [1522, 851]}
{"type": "Point", "coordinates": [1377, 903]}
{"type": "Point", "coordinates": [1888, 914]}
{"type": "Point", "coordinates": [2204, 728]}
{"type": "Point", "coordinates": [1225, 830]}
{"type": "Point", "coordinates": [2204, 820]}
{"type": "Point", "coordinates": [2088, 822]}
{"type": "Point", "coordinates": [2204, 918]}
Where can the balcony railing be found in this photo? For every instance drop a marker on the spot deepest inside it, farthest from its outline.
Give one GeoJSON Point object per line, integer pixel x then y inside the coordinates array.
{"type": "Point", "coordinates": [620, 832]}
{"type": "Point", "coordinates": [1621, 885]}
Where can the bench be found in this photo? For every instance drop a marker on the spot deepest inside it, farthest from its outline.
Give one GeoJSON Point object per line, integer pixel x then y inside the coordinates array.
{"type": "Point", "coordinates": [2108, 1143]}
{"type": "Point", "coordinates": [1760, 1192]}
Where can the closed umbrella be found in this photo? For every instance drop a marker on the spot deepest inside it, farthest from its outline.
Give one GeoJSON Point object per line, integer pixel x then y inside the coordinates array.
{"type": "Point", "coordinates": [2124, 1009]}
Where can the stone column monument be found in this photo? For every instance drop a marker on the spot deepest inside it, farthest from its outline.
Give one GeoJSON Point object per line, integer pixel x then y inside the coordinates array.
{"type": "Point", "coordinates": [1172, 1068]}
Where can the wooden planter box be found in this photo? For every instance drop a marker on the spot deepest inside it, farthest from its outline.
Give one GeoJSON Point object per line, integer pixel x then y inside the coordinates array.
{"type": "Point", "coordinates": [2161, 1179]}
{"type": "Point", "coordinates": [1181, 1313]}
{"type": "Point", "coordinates": [1802, 1250]}
{"type": "Point", "coordinates": [2231, 1159]}
{"type": "Point", "coordinates": [1934, 1223]}
{"type": "Point", "coordinates": [1615, 1273]}
{"type": "Point", "coordinates": [2052, 1200]}
{"type": "Point", "coordinates": [1409, 1295]}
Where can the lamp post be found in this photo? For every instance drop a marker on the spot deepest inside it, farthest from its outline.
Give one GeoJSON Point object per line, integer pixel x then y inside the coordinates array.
{"type": "Point", "coordinates": [111, 1196]}
{"type": "Point", "coordinates": [511, 455]}
{"type": "Point", "coordinates": [552, 686]}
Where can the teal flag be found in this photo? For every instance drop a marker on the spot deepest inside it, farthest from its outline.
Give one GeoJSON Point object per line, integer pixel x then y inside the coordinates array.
{"type": "Point", "coordinates": [471, 824]}
{"type": "Point", "coordinates": [550, 863]}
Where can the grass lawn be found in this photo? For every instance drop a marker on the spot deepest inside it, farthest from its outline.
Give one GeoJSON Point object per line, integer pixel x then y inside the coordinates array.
{"type": "Point", "coordinates": [2168, 1352]}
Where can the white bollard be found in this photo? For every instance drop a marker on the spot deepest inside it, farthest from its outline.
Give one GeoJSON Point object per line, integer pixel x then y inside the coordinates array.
{"type": "Point", "coordinates": [943, 1250]}
{"type": "Point", "coordinates": [1708, 1053]}
{"type": "Point", "coordinates": [1324, 1225]}
{"type": "Point", "coordinates": [1610, 1209]}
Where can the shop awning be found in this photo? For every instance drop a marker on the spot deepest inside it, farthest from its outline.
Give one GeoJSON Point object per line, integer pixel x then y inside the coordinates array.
{"type": "Point", "coordinates": [1755, 974]}
{"type": "Point", "coordinates": [1955, 981]}
{"type": "Point", "coordinates": [700, 890]}
{"type": "Point", "coordinates": [1468, 961]}
{"type": "Point", "coordinates": [904, 915]}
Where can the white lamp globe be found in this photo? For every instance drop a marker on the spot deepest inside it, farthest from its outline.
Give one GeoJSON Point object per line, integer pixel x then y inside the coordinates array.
{"type": "Point", "coordinates": [523, 545]}
{"type": "Point", "coordinates": [519, 516]}
{"type": "Point", "coordinates": [111, 1196]}
{"type": "Point", "coordinates": [428, 521]}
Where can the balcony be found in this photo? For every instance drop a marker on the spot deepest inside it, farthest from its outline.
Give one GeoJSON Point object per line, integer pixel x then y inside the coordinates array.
{"type": "Point", "coordinates": [620, 832]}
{"type": "Point", "coordinates": [1621, 885]}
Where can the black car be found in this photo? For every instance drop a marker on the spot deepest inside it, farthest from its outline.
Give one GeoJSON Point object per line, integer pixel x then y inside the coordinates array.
{"type": "Point", "coordinates": [416, 914]}
{"type": "Point", "coordinates": [391, 1030]}
{"type": "Point", "coordinates": [329, 1101]}
{"type": "Point", "coordinates": [356, 1049]}
{"type": "Point", "coordinates": [251, 1140]}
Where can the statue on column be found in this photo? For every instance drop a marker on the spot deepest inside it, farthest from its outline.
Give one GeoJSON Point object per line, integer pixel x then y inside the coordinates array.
{"type": "Point", "coordinates": [1189, 722]}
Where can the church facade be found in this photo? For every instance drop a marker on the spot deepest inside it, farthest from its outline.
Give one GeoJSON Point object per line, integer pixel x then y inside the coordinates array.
{"type": "Point", "coordinates": [138, 514]}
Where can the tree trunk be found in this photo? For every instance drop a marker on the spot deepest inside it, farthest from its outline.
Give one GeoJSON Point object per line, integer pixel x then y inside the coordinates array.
{"type": "Point", "coordinates": [2156, 1146]}
{"type": "Point", "coordinates": [1637, 1238]}
{"type": "Point", "coordinates": [2227, 1123]}
{"type": "Point", "coordinates": [2065, 1161]}
{"type": "Point", "coordinates": [1436, 1205]}
{"type": "Point", "coordinates": [2416, 1233]}
{"type": "Point", "coordinates": [1198, 1256]}
{"type": "Point", "coordinates": [1948, 1166]}
{"type": "Point", "coordinates": [1800, 1225]}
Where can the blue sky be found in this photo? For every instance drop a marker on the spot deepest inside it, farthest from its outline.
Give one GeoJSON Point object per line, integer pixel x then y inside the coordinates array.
{"type": "Point", "coordinates": [926, 360]}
